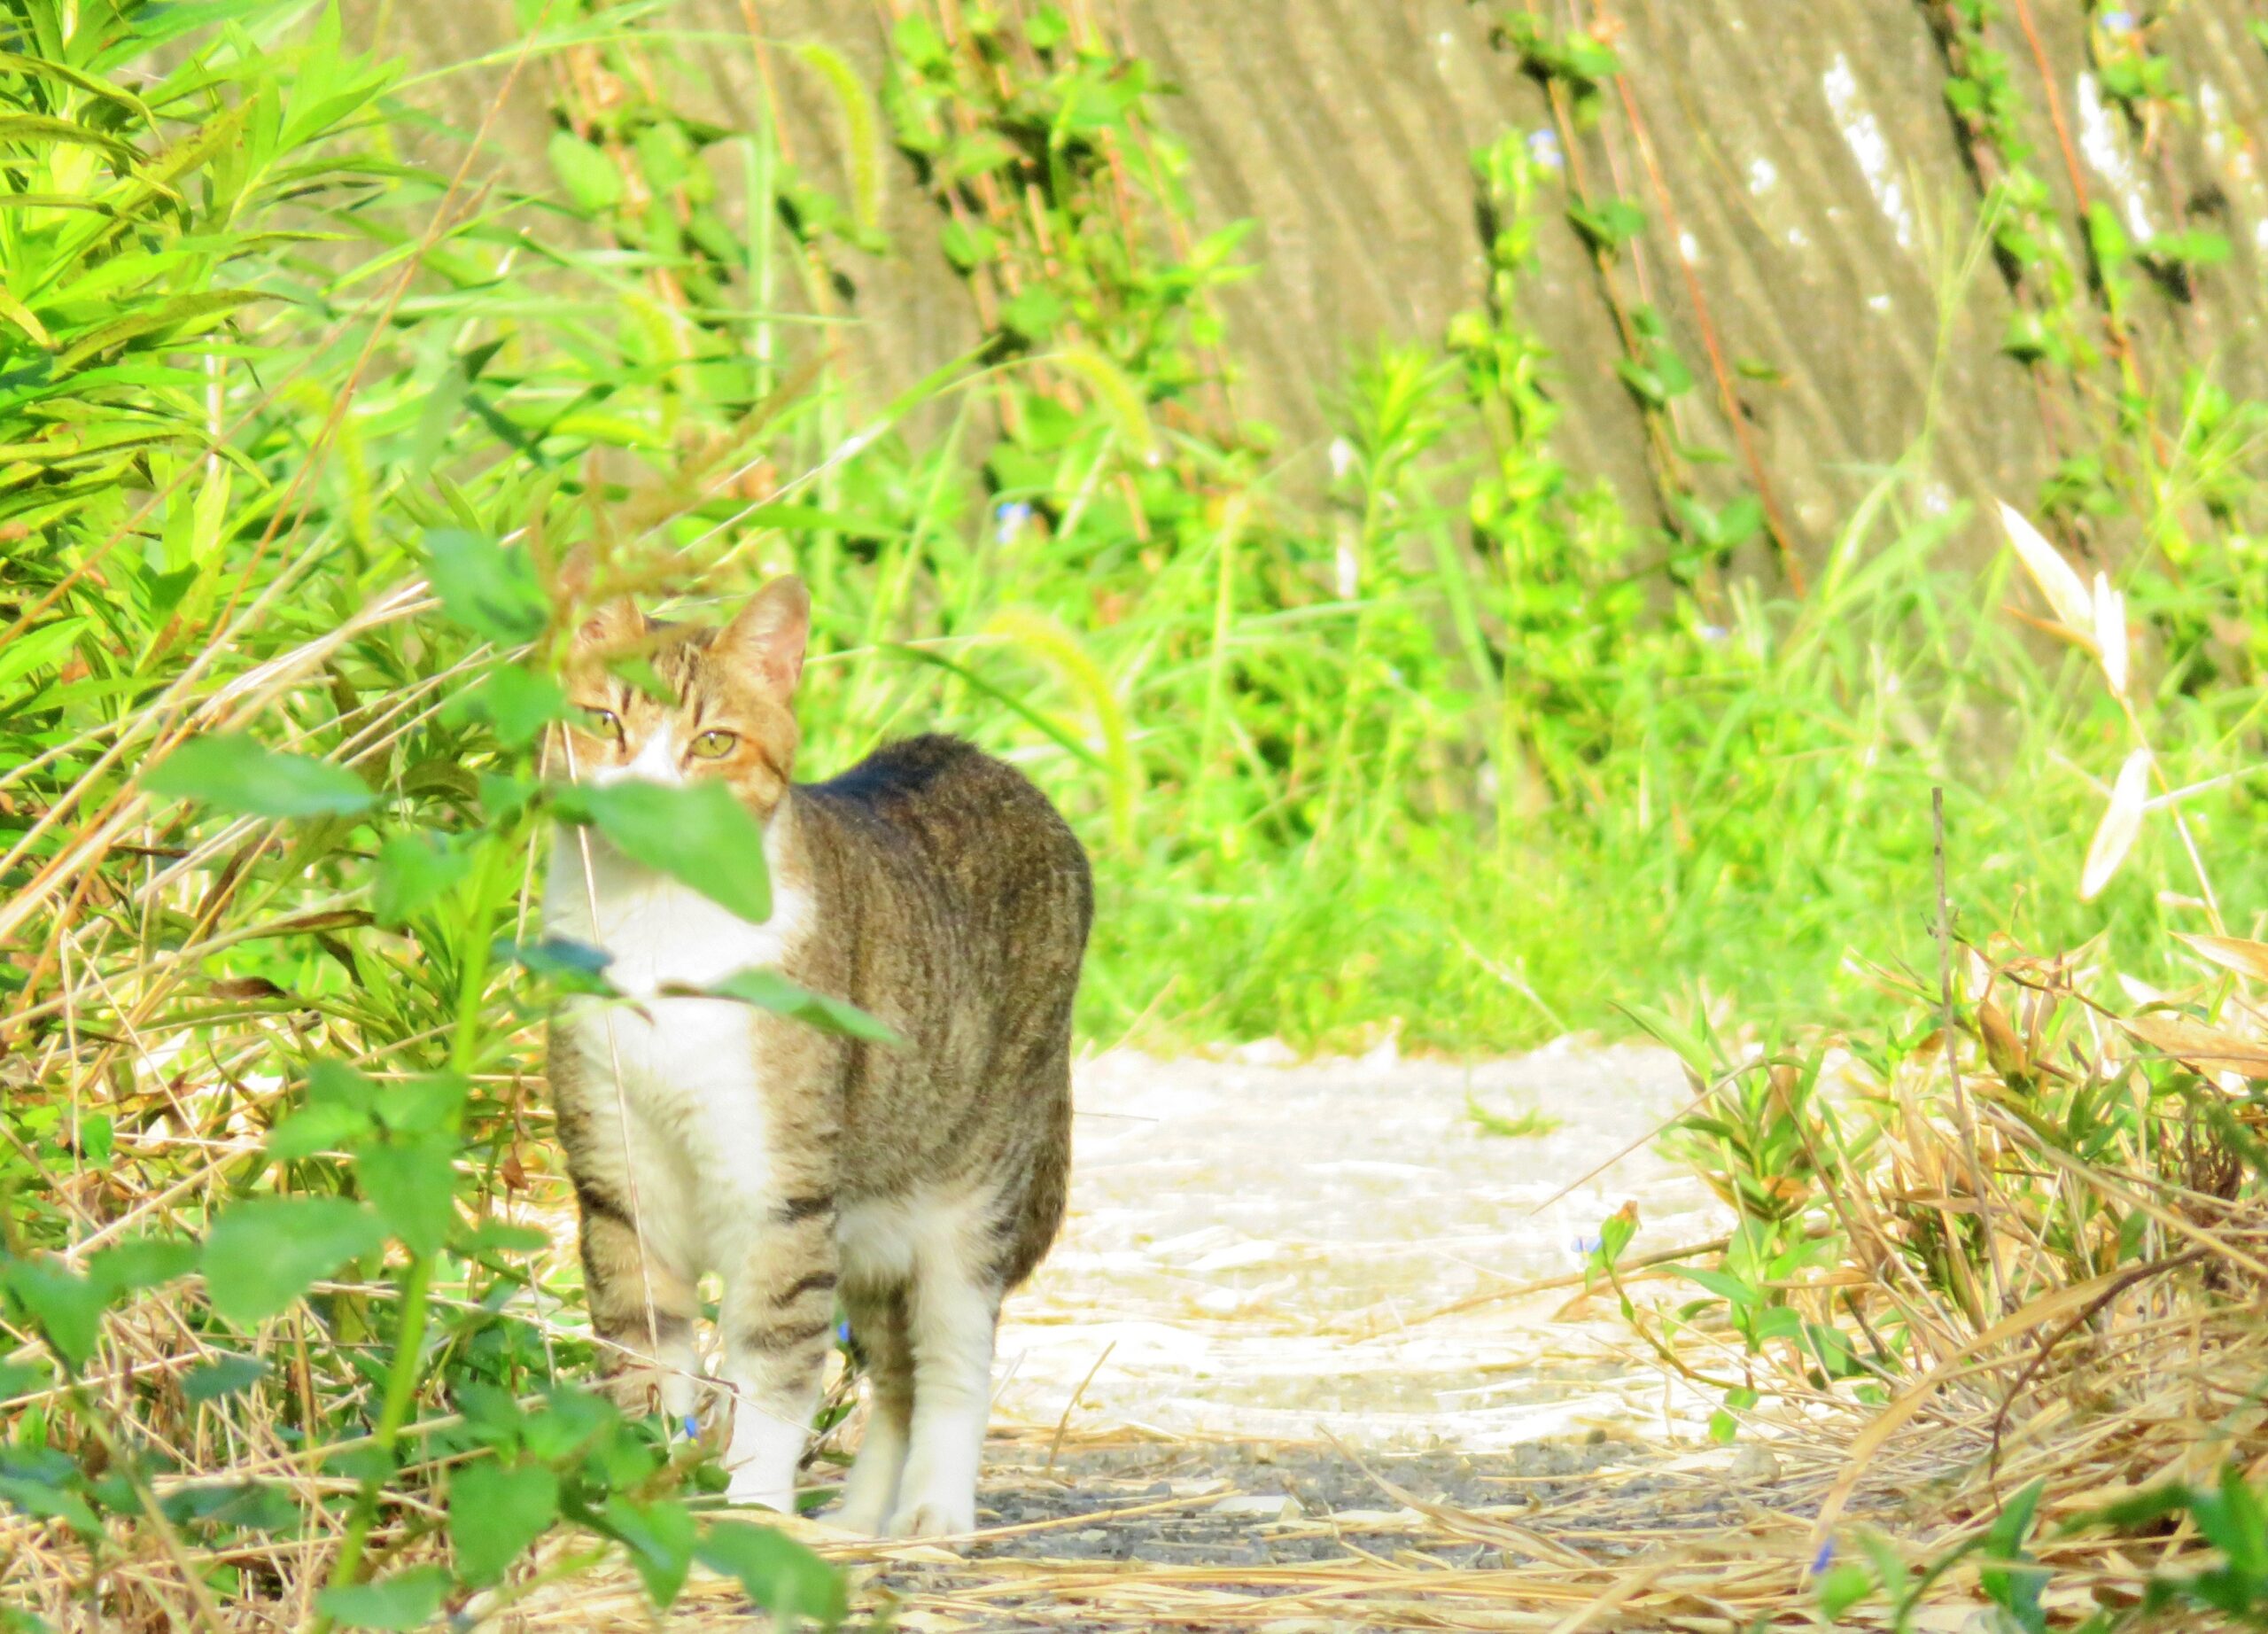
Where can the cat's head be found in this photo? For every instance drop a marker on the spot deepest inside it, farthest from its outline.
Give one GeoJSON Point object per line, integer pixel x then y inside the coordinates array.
{"type": "Point", "coordinates": [732, 712]}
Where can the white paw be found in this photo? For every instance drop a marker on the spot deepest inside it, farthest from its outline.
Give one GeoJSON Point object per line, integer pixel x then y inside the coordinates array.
{"type": "Point", "coordinates": [935, 1517]}
{"type": "Point", "coordinates": [851, 1516]}
{"type": "Point", "coordinates": [747, 1490]}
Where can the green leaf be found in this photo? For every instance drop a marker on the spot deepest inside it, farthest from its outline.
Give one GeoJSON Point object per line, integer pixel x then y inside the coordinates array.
{"type": "Point", "coordinates": [698, 834]}
{"type": "Point", "coordinates": [142, 1262]}
{"type": "Point", "coordinates": [489, 590]}
{"type": "Point", "coordinates": [1723, 1428]}
{"type": "Point", "coordinates": [39, 128]}
{"type": "Point", "coordinates": [236, 774]}
{"type": "Point", "coordinates": [46, 1501]}
{"type": "Point", "coordinates": [23, 318]}
{"type": "Point", "coordinates": [250, 1505]}
{"type": "Point", "coordinates": [67, 1306]}
{"type": "Point", "coordinates": [223, 1375]}
{"type": "Point", "coordinates": [588, 175]}
{"type": "Point", "coordinates": [638, 670]}
{"type": "Point", "coordinates": [264, 1252]}
{"type": "Point", "coordinates": [518, 703]}
{"type": "Point", "coordinates": [416, 871]}
{"type": "Point", "coordinates": [411, 1183]}
{"type": "Point", "coordinates": [1843, 1587]}
{"type": "Point", "coordinates": [496, 1510]}
{"type": "Point", "coordinates": [660, 1539]}
{"type": "Point", "coordinates": [768, 989]}
{"type": "Point", "coordinates": [405, 1600]}
{"type": "Point", "coordinates": [780, 1574]}
{"type": "Point", "coordinates": [1610, 225]}
{"type": "Point", "coordinates": [1722, 1285]}
{"type": "Point", "coordinates": [328, 1127]}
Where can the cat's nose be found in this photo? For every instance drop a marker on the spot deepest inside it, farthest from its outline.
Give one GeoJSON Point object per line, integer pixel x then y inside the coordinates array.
{"type": "Point", "coordinates": [657, 761]}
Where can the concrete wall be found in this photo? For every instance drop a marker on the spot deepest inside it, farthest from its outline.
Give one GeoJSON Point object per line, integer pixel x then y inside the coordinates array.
{"type": "Point", "coordinates": [1802, 149]}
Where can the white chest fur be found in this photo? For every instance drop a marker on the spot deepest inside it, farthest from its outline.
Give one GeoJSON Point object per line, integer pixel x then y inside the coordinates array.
{"type": "Point", "coordinates": [655, 930]}
{"type": "Point", "coordinates": [678, 1057]}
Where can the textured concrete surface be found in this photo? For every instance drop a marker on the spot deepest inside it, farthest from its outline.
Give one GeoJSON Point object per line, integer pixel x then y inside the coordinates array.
{"type": "Point", "coordinates": [1807, 170]}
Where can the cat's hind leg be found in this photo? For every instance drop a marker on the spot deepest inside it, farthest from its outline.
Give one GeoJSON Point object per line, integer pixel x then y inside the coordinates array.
{"type": "Point", "coordinates": [953, 1310]}
{"type": "Point", "coordinates": [879, 1326]}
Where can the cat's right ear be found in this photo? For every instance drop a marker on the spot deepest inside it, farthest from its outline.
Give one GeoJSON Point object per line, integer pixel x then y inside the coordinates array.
{"type": "Point", "coordinates": [616, 624]}
{"type": "Point", "coordinates": [769, 634]}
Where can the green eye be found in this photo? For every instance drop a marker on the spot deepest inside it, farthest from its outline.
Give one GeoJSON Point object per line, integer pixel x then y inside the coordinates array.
{"type": "Point", "coordinates": [714, 745]}
{"type": "Point", "coordinates": [605, 722]}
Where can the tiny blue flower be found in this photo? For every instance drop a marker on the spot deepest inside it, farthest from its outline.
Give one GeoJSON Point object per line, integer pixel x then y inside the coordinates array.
{"type": "Point", "coordinates": [1716, 634]}
{"type": "Point", "coordinates": [1589, 1245]}
{"type": "Point", "coordinates": [1543, 148]}
{"type": "Point", "coordinates": [1009, 520]}
{"type": "Point", "coordinates": [2118, 22]}
{"type": "Point", "coordinates": [842, 1331]}
{"type": "Point", "coordinates": [692, 1427]}
{"type": "Point", "coordinates": [1820, 1561]}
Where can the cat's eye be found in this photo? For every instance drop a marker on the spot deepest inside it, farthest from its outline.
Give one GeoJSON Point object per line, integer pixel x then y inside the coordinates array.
{"type": "Point", "coordinates": [714, 745]}
{"type": "Point", "coordinates": [605, 722]}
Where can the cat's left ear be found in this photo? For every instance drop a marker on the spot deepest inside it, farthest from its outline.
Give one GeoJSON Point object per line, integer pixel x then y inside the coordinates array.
{"type": "Point", "coordinates": [769, 634]}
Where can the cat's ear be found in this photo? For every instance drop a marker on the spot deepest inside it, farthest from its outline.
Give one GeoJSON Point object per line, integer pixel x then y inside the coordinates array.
{"type": "Point", "coordinates": [614, 624]}
{"type": "Point", "coordinates": [768, 635]}
{"type": "Point", "coordinates": [617, 624]}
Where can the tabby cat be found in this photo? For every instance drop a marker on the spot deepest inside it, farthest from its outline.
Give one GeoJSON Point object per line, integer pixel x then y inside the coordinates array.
{"type": "Point", "coordinates": [935, 887]}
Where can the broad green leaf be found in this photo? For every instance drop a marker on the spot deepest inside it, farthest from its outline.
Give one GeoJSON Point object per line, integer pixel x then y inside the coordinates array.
{"type": "Point", "coordinates": [223, 1375]}
{"type": "Point", "coordinates": [489, 590]}
{"type": "Point", "coordinates": [768, 989]}
{"type": "Point", "coordinates": [142, 1262]}
{"type": "Point", "coordinates": [496, 1510]}
{"type": "Point", "coordinates": [405, 1600]}
{"type": "Point", "coordinates": [588, 175]}
{"type": "Point", "coordinates": [1844, 1586]}
{"type": "Point", "coordinates": [660, 1538]}
{"type": "Point", "coordinates": [416, 871]}
{"type": "Point", "coordinates": [236, 774]}
{"type": "Point", "coordinates": [48, 1501]}
{"type": "Point", "coordinates": [518, 703]}
{"type": "Point", "coordinates": [67, 1306]}
{"type": "Point", "coordinates": [252, 1505]}
{"type": "Point", "coordinates": [319, 1127]}
{"type": "Point", "coordinates": [698, 834]}
{"type": "Point", "coordinates": [422, 1105]}
{"type": "Point", "coordinates": [780, 1574]}
{"type": "Point", "coordinates": [411, 1183]}
{"type": "Point", "coordinates": [263, 1253]}
{"type": "Point", "coordinates": [1610, 225]}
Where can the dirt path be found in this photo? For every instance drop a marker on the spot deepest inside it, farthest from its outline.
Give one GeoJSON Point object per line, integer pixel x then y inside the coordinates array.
{"type": "Point", "coordinates": [1270, 1310]}
{"type": "Point", "coordinates": [1266, 1252]}
{"type": "Point", "coordinates": [1270, 1376]}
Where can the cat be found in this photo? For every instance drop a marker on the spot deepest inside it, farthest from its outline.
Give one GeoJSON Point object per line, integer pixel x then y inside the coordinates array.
{"type": "Point", "coordinates": [936, 889]}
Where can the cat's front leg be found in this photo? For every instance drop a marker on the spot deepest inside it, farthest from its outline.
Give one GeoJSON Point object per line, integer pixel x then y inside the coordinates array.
{"type": "Point", "coordinates": [778, 1323]}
